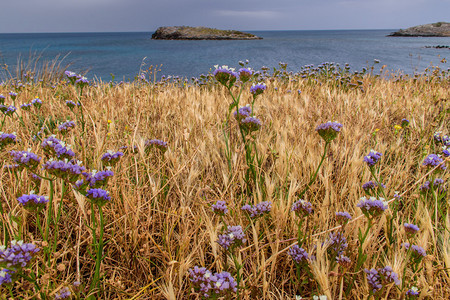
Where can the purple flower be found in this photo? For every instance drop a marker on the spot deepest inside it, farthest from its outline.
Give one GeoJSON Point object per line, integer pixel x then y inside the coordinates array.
{"type": "Point", "coordinates": [413, 292]}
{"type": "Point", "coordinates": [298, 254]}
{"type": "Point", "coordinates": [111, 158]}
{"type": "Point", "coordinates": [5, 276]}
{"type": "Point", "coordinates": [2, 99]}
{"type": "Point", "coordinates": [26, 106]}
{"type": "Point", "coordinates": [344, 261]}
{"type": "Point", "coordinates": [371, 185]}
{"type": "Point", "coordinates": [7, 110]}
{"type": "Point", "coordinates": [72, 104]}
{"type": "Point", "coordinates": [372, 158]}
{"type": "Point", "coordinates": [223, 283]}
{"type": "Point", "coordinates": [159, 144]}
{"type": "Point", "coordinates": [18, 255]}
{"type": "Point", "coordinates": [12, 95]}
{"type": "Point", "coordinates": [68, 170]}
{"type": "Point", "coordinates": [66, 126]}
{"type": "Point", "coordinates": [257, 88]}
{"type": "Point", "coordinates": [337, 242]}
{"type": "Point", "coordinates": [36, 102]}
{"type": "Point", "coordinates": [251, 123]}
{"type": "Point", "coordinates": [417, 251]}
{"type": "Point", "coordinates": [233, 237]}
{"type": "Point", "coordinates": [98, 196]}
{"type": "Point", "coordinates": [405, 123]}
{"type": "Point", "coordinates": [7, 138]}
{"type": "Point", "coordinates": [33, 201]}
{"type": "Point", "coordinates": [81, 80]}
{"type": "Point", "coordinates": [70, 74]}
{"type": "Point", "coordinates": [201, 280]}
{"type": "Point", "coordinates": [242, 113]}
{"type": "Point", "coordinates": [411, 229]}
{"type": "Point", "coordinates": [97, 179]}
{"type": "Point", "coordinates": [302, 208]}
{"type": "Point", "coordinates": [258, 209]}
{"type": "Point", "coordinates": [373, 279]}
{"type": "Point", "coordinates": [343, 217]}
{"type": "Point", "coordinates": [434, 160]}
{"type": "Point", "coordinates": [443, 139]}
{"type": "Point", "coordinates": [54, 146]}
{"type": "Point", "coordinates": [225, 75]}
{"type": "Point", "coordinates": [329, 130]}
{"type": "Point", "coordinates": [63, 293]}
{"type": "Point", "coordinates": [446, 151]}
{"type": "Point", "coordinates": [25, 158]}
{"type": "Point", "coordinates": [372, 207]}
{"type": "Point", "coordinates": [389, 276]}
{"type": "Point", "coordinates": [220, 208]}
{"type": "Point", "coordinates": [245, 74]}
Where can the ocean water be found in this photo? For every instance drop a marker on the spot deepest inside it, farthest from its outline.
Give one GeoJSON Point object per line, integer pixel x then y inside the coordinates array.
{"type": "Point", "coordinates": [124, 54]}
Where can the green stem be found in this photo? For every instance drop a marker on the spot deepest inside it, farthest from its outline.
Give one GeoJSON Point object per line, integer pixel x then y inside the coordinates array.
{"type": "Point", "coordinates": [313, 178]}
{"type": "Point", "coordinates": [95, 281]}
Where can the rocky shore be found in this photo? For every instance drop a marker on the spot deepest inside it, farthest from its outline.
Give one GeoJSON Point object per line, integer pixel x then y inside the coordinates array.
{"type": "Point", "coordinates": [439, 29]}
{"type": "Point", "coordinates": [200, 33]}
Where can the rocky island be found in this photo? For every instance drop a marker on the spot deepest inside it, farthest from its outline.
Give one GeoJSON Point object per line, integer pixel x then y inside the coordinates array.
{"type": "Point", "coordinates": [439, 29]}
{"type": "Point", "coordinates": [200, 33]}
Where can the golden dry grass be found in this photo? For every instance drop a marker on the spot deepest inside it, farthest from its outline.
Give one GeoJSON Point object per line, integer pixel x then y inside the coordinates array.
{"type": "Point", "coordinates": [159, 222]}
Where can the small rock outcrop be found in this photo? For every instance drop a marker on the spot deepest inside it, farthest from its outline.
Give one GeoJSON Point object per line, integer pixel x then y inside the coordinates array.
{"type": "Point", "coordinates": [200, 33]}
{"type": "Point", "coordinates": [439, 29]}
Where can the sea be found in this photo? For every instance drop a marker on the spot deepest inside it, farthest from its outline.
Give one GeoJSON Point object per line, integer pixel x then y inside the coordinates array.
{"type": "Point", "coordinates": [125, 55]}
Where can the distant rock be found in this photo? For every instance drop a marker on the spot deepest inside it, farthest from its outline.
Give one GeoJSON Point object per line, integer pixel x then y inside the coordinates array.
{"type": "Point", "coordinates": [200, 33]}
{"type": "Point", "coordinates": [439, 29]}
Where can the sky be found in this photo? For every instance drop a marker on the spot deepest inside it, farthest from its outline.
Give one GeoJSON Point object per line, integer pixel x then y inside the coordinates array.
{"type": "Point", "coordinates": [32, 16]}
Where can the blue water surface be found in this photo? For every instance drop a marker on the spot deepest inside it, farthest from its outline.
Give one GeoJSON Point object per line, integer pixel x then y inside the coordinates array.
{"type": "Point", "coordinates": [125, 53]}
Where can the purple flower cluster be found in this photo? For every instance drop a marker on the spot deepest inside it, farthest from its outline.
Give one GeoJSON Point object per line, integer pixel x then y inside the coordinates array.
{"type": "Point", "coordinates": [245, 74]}
{"type": "Point", "coordinates": [36, 102]}
{"type": "Point", "coordinates": [72, 104]}
{"type": "Point", "coordinates": [371, 186]}
{"type": "Point", "coordinates": [18, 255]}
{"type": "Point", "coordinates": [413, 292]}
{"type": "Point", "coordinates": [302, 208]}
{"type": "Point", "coordinates": [434, 160]}
{"type": "Point", "coordinates": [111, 157]}
{"type": "Point", "coordinates": [242, 113]}
{"type": "Point", "coordinates": [66, 126]}
{"type": "Point", "coordinates": [389, 276]}
{"type": "Point", "coordinates": [233, 237]}
{"type": "Point", "coordinates": [446, 151]}
{"type": "Point", "coordinates": [417, 251]}
{"type": "Point", "coordinates": [26, 106]}
{"type": "Point", "coordinates": [337, 242]}
{"type": "Point", "coordinates": [329, 130]}
{"type": "Point", "coordinates": [69, 170]}
{"type": "Point", "coordinates": [63, 293]}
{"type": "Point", "coordinates": [373, 278]}
{"type": "Point", "coordinates": [54, 146]}
{"type": "Point", "coordinates": [405, 122]}
{"type": "Point", "coordinates": [220, 208]}
{"type": "Point", "coordinates": [442, 139]}
{"type": "Point", "coordinates": [5, 276]}
{"type": "Point", "coordinates": [33, 201]}
{"type": "Point", "coordinates": [7, 138]}
{"type": "Point", "coordinates": [438, 185]}
{"type": "Point", "coordinates": [411, 229]}
{"type": "Point", "coordinates": [343, 217]}
{"type": "Point", "coordinates": [343, 261]}
{"type": "Point", "coordinates": [299, 255]}
{"type": "Point", "coordinates": [257, 88]}
{"type": "Point", "coordinates": [225, 75]}
{"type": "Point", "coordinates": [209, 284]}
{"type": "Point", "coordinates": [76, 79]}
{"type": "Point", "coordinates": [371, 206]}
{"type": "Point", "coordinates": [98, 196]}
{"type": "Point", "coordinates": [25, 158]}
{"type": "Point", "coordinates": [8, 110]}
{"type": "Point", "coordinates": [159, 144]}
{"type": "Point", "coordinates": [13, 95]}
{"type": "Point", "coordinates": [97, 179]}
{"type": "Point", "coordinates": [258, 209]}
{"type": "Point", "coordinates": [372, 158]}
{"type": "Point", "coordinates": [251, 123]}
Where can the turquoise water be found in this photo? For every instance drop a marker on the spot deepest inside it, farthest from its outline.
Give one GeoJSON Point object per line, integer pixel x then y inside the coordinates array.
{"type": "Point", "coordinates": [123, 53]}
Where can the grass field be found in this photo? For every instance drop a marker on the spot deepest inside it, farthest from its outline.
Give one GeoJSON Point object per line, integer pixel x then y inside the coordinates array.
{"type": "Point", "coordinates": [159, 222]}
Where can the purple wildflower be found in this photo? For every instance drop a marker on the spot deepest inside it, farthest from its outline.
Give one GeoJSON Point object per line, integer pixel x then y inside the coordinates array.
{"type": "Point", "coordinates": [434, 160]}
{"type": "Point", "coordinates": [443, 139]}
{"type": "Point", "coordinates": [411, 229]}
{"type": "Point", "coordinates": [405, 123]}
{"type": "Point", "coordinates": [206, 283]}
{"type": "Point", "coordinates": [373, 279]}
{"type": "Point", "coordinates": [223, 283]}
{"type": "Point", "coordinates": [329, 130]}
{"type": "Point", "coordinates": [111, 158]}
{"type": "Point", "coordinates": [446, 151]}
{"type": "Point", "coordinates": [5, 276]}
{"type": "Point", "coordinates": [302, 208]}
{"type": "Point", "coordinates": [251, 123]}
{"type": "Point", "coordinates": [372, 207]}
{"type": "Point", "coordinates": [343, 261]}
{"type": "Point", "coordinates": [63, 293]}
{"type": "Point", "coordinates": [417, 251]}
{"type": "Point", "coordinates": [18, 255]}
{"type": "Point", "coordinates": [70, 74]}
{"type": "Point", "coordinates": [2, 99]}
{"type": "Point", "coordinates": [97, 179]}
{"type": "Point", "coordinates": [98, 196]}
{"type": "Point", "coordinates": [54, 146]}
{"type": "Point", "coordinates": [159, 144]}
{"type": "Point", "coordinates": [72, 104]}
{"type": "Point", "coordinates": [81, 80]}
{"type": "Point", "coordinates": [258, 209]}
{"type": "Point", "coordinates": [68, 170]}
{"type": "Point", "coordinates": [201, 279]}
{"type": "Point", "coordinates": [372, 158]}
{"type": "Point", "coordinates": [25, 158]}
{"type": "Point", "coordinates": [337, 242]}
{"type": "Point", "coordinates": [258, 88]}
{"type": "Point", "coordinates": [413, 292]}
{"type": "Point", "coordinates": [343, 217]}
{"type": "Point", "coordinates": [389, 276]}
{"type": "Point", "coordinates": [233, 237]}
{"type": "Point", "coordinates": [220, 208]}
{"type": "Point", "coordinates": [26, 106]}
{"type": "Point", "coordinates": [13, 95]}
{"type": "Point", "coordinates": [245, 74]}
{"type": "Point", "coordinates": [66, 126]}
{"type": "Point", "coordinates": [33, 201]}
{"type": "Point", "coordinates": [371, 186]}
{"type": "Point", "coordinates": [7, 138]}
{"type": "Point", "coordinates": [225, 75]}
{"type": "Point", "coordinates": [7, 110]}
{"type": "Point", "coordinates": [298, 254]}
{"type": "Point", "coordinates": [242, 113]}
{"type": "Point", "coordinates": [36, 102]}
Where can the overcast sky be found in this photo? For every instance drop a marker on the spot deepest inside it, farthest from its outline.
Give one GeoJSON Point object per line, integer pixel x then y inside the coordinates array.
{"type": "Point", "coordinates": [147, 15]}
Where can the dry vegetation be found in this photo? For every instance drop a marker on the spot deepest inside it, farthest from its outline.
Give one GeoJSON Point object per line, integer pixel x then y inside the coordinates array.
{"type": "Point", "coordinates": [159, 222]}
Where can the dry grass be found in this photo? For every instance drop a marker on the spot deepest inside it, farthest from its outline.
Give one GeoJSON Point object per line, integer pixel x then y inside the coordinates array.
{"type": "Point", "coordinates": [159, 222]}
